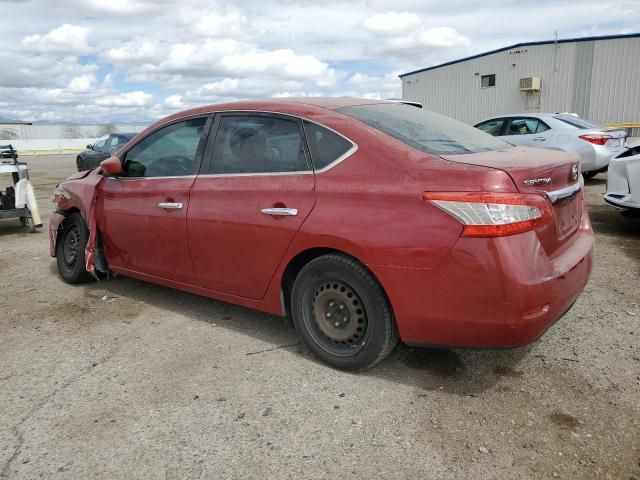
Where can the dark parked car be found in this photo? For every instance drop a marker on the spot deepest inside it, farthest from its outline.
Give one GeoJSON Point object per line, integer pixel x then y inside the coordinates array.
{"type": "Point", "coordinates": [103, 148]}
{"type": "Point", "coordinates": [367, 221]}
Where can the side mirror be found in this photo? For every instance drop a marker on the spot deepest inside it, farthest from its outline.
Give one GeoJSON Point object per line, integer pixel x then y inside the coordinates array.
{"type": "Point", "coordinates": [111, 167]}
{"type": "Point", "coordinates": [90, 146]}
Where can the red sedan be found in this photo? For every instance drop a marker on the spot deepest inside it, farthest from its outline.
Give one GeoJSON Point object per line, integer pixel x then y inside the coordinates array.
{"type": "Point", "coordinates": [366, 221]}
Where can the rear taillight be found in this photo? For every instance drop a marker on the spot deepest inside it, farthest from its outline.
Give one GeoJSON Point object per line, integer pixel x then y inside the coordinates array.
{"type": "Point", "coordinates": [493, 214]}
{"type": "Point", "coordinates": [596, 139]}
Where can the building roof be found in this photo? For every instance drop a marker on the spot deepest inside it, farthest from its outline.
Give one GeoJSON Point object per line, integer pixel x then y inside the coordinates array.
{"type": "Point", "coordinates": [525, 44]}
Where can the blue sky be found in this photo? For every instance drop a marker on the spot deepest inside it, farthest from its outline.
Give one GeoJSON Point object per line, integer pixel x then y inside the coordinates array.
{"type": "Point", "coordinates": [138, 60]}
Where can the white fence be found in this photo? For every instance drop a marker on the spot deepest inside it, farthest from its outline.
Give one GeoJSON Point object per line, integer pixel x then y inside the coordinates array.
{"type": "Point", "coordinates": [49, 139]}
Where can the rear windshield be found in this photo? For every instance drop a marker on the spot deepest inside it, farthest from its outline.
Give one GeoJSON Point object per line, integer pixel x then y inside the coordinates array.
{"type": "Point", "coordinates": [578, 122]}
{"type": "Point", "coordinates": [425, 130]}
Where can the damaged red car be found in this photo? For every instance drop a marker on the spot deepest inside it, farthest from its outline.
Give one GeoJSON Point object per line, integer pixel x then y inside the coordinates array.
{"type": "Point", "coordinates": [366, 221]}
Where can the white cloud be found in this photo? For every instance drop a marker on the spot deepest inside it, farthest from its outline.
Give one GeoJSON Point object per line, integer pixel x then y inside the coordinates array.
{"type": "Point", "coordinates": [368, 86]}
{"type": "Point", "coordinates": [135, 52]}
{"type": "Point", "coordinates": [116, 7]}
{"type": "Point", "coordinates": [82, 83]}
{"type": "Point", "coordinates": [220, 58]}
{"type": "Point", "coordinates": [174, 102]}
{"type": "Point", "coordinates": [405, 35]}
{"type": "Point", "coordinates": [66, 39]}
{"type": "Point", "coordinates": [392, 23]}
{"type": "Point", "coordinates": [128, 99]}
{"type": "Point", "coordinates": [229, 23]}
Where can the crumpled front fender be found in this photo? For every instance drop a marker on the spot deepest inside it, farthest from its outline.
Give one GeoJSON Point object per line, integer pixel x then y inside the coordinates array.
{"type": "Point", "coordinates": [78, 193]}
{"type": "Point", "coordinates": [54, 225]}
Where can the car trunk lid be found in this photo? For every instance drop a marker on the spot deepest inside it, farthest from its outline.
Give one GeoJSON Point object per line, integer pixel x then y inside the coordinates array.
{"type": "Point", "coordinates": [553, 174]}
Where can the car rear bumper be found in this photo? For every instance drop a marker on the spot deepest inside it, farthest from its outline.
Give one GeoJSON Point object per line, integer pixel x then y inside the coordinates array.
{"type": "Point", "coordinates": [594, 158]}
{"type": "Point", "coordinates": [490, 292]}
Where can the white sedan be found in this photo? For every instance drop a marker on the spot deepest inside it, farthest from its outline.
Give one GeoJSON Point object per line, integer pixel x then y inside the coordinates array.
{"type": "Point", "coordinates": [595, 144]}
{"type": "Point", "coordinates": [623, 180]}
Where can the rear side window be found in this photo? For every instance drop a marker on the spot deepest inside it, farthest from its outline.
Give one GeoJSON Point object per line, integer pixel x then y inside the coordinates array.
{"type": "Point", "coordinates": [326, 146]}
{"type": "Point", "coordinates": [526, 126]}
{"type": "Point", "coordinates": [168, 152]}
{"type": "Point", "coordinates": [578, 122]}
{"type": "Point", "coordinates": [425, 130]}
{"type": "Point", "coordinates": [258, 144]}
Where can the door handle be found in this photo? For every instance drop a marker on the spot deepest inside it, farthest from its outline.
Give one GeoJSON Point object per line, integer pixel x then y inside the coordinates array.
{"type": "Point", "coordinates": [539, 139]}
{"type": "Point", "coordinates": [285, 212]}
{"type": "Point", "coordinates": [170, 205]}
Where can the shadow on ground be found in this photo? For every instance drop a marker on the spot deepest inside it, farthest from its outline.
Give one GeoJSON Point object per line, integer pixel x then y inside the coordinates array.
{"type": "Point", "coordinates": [463, 372]}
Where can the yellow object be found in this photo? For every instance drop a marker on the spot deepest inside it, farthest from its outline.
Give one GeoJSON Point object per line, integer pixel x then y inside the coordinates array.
{"type": "Point", "coordinates": [623, 125]}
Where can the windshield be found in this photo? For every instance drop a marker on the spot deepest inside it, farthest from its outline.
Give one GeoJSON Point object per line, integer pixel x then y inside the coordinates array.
{"type": "Point", "coordinates": [578, 122]}
{"type": "Point", "coordinates": [425, 130]}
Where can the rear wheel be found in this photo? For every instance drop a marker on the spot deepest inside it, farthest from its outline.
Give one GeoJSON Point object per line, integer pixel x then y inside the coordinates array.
{"type": "Point", "coordinates": [342, 313]}
{"type": "Point", "coordinates": [72, 241]}
{"type": "Point", "coordinates": [589, 175]}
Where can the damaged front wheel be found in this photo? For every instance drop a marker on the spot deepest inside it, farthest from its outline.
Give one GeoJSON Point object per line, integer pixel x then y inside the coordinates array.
{"type": "Point", "coordinates": [70, 248]}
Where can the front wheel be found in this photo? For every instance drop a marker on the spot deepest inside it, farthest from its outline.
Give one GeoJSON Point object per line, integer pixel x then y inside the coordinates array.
{"type": "Point", "coordinates": [80, 164]}
{"type": "Point", "coordinates": [70, 247]}
{"type": "Point", "coordinates": [589, 175]}
{"type": "Point", "coordinates": [342, 314]}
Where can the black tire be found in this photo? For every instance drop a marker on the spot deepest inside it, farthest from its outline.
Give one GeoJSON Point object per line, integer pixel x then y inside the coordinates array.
{"type": "Point", "coordinates": [80, 164]}
{"type": "Point", "coordinates": [589, 175]}
{"type": "Point", "coordinates": [70, 246]}
{"type": "Point", "coordinates": [28, 224]}
{"type": "Point", "coordinates": [336, 288]}
{"type": "Point", "coordinates": [630, 213]}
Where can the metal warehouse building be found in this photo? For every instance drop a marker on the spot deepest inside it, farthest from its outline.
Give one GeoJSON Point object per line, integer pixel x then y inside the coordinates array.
{"type": "Point", "coordinates": [596, 77]}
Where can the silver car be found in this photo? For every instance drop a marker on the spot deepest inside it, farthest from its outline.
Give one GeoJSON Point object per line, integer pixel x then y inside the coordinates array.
{"type": "Point", "coordinates": [595, 144]}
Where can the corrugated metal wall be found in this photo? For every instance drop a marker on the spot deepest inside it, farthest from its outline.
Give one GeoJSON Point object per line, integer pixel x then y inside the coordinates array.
{"type": "Point", "coordinates": [10, 132]}
{"type": "Point", "coordinates": [607, 93]}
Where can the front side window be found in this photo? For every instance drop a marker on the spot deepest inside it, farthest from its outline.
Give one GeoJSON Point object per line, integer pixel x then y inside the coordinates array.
{"type": "Point", "coordinates": [492, 127]}
{"type": "Point", "coordinates": [424, 130]}
{"type": "Point", "coordinates": [326, 146]}
{"type": "Point", "coordinates": [258, 144]}
{"type": "Point", "coordinates": [488, 81]}
{"type": "Point", "coordinates": [99, 146]}
{"type": "Point", "coordinates": [168, 152]}
{"type": "Point", "coordinates": [111, 144]}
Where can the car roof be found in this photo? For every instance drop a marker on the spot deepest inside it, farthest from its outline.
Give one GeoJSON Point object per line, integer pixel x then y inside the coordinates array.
{"type": "Point", "coordinates": [298, 106]}
{"type": "Point", "coordinates": [284, 105]}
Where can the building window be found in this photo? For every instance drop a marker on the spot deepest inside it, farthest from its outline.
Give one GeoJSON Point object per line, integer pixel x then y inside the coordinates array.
{"type": "Point", "coordinates": [488, 81]}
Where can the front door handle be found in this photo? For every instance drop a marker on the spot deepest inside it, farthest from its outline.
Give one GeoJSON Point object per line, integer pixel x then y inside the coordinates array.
{"type": "Point", "coordinates": [170, 205]}
{"type": "Point", "coordinates": [285, 212]}
{"type": "Point", "coordinates": [539, 139]}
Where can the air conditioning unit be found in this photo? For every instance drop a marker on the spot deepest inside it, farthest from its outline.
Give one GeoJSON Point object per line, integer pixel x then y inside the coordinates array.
{"type": "Point", "coordinates": [530, 84]}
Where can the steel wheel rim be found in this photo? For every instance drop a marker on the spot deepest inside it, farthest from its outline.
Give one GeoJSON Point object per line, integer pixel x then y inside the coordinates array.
{"type": "Point", "coordinates": [70, 246]}
{"type": "Point", "coordinates": [336, 317]}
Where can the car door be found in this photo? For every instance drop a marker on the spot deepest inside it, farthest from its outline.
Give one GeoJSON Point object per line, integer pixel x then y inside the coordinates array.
{"type": "Point", "coordinates": [245, 210]}
{"type": "Point", "coordinates": [527, 131]}
{"type": "Point", "coordinates": [142, 214]}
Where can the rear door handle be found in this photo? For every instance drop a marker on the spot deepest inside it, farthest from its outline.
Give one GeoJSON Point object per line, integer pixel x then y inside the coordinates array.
{"type": "Point", "coordinates": [285, 212]}
{"type": "Point", "coordinates": [170, 205]}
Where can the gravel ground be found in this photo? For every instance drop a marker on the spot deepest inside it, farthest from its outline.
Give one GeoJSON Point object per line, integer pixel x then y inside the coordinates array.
{"type": "Point", "coordinates": [124, 379]}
